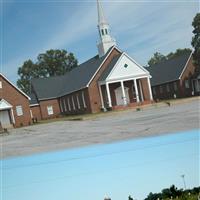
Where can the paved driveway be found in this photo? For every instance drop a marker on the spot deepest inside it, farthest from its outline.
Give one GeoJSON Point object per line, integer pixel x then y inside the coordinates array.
{"type": "Point", "coordinates": [104, 129]}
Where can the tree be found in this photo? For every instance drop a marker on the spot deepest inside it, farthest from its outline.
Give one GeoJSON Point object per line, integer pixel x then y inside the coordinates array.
{"type": "Point", "coordinates": [196, 42]}
{"type": "Point", "coordinates": [178, 52]}
{"type": "Point", "coordinates": [130, 198]}
{"type": "Point", "coordinates": [28, 71]}
{"type": "Point", "coordinates": [157, 57]}
{"type": "Point", "coordinates": [51, 63]}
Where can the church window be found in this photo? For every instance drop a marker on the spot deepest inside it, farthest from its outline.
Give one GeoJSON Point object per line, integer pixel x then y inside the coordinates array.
{"type": "Point", "coordinates": [167, 87]}
{"type": "Point", "coordinates": [161, 89]}
{"type": "Point", "coordinates": [61, 106]}
{"type": "Point", "coordinates": [68, 103]}
{"type": "Point", "coordinates": [73, 103]}
{"type": "Point", "coordinates": [102, 31]}
{"type": "Point", "coordinates": [19, 110]}
{"type": "Point", "coordinates": [77, 98]}
{"type": "Point", "coordinates": [175, 86]}
{"type": "Point", "coordinates": [125, 65]}
{"type": "Point", "coordinates": [187, 84]}
{"type": "Point", "coordinates": [65, 108]}
{"type": "Point", "coordinates": [154, 91]}
{"type": "Point", "coordinates": [83, 98]}
{"type": "Point", "coordinates": [106, 30]}
{"type": "Point", "coordinates": [50, 110]}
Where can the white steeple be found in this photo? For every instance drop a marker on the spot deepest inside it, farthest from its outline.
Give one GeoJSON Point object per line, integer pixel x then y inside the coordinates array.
{"type": "Point", "coordinates": [106, 41]}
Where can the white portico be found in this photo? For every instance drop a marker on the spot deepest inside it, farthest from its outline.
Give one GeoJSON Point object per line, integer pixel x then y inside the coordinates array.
{"type": "Point", "coordinates": [125, 83]}
{"type": "Point", "coordinates": [6, 114]}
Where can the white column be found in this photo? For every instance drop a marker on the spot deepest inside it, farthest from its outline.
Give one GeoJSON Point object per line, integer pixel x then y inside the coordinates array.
{"type": "Point", "coordinates": [108, 94]}
{"type": "Point", "coordinates": [136, 90]}
{"type": "Point", "coordinates": [101, 97]}
{"type": "Point", "coordinates": [141, 92]}
{"type": "Point", "coordinates": [123, 93]}
{"type": "Point", "coordinates": [13, 118]}
{"type": "Point", "coordinates": [192, 82]}
{"type": "Point", "coordinates": [150, 92]}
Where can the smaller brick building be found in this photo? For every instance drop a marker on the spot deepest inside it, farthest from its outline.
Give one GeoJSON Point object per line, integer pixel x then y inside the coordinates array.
{"type": "Point", "coordinates": [14, 105]}
{"type": "Point", "coordinates": [175, 78]}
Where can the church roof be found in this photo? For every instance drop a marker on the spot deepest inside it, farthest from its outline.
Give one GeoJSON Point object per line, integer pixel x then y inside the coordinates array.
{"type": "Point", "coordinates": [76, 79]}
{"type": "Point", "coordinates": [109, 68]}
{"type": "Point", "coordinates": [169, 70]}
{"type": "Point", "coordinates": [33, 100]}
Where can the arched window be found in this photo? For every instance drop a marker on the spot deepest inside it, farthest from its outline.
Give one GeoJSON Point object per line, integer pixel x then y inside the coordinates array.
{"type": "Point", "coordinates": [106, 30]}
{"type": "Point", "coordinates": [102, 31]}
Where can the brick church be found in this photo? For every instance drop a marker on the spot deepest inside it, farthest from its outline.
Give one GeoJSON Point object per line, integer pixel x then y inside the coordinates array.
{"type": "Point", "coordinates": [108, 81]}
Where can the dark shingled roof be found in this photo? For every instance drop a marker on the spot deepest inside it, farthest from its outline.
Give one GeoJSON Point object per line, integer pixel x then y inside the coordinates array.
{"type": "Point", "coordinates": [33, 100]}
{"type": "Point", "coordinates": [109, 68]}
{"type": "Point", "coordinates": [169, 70]}
{"type": "Point", "coordinates": [79, 77]}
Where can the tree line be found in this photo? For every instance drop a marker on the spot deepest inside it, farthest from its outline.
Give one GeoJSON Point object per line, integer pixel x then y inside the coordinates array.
{"type": "Point", "coordinates": [174, 193]}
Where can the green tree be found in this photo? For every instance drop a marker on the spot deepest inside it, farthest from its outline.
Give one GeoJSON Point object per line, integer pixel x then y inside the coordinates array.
{"type": "Point", "coordinates": [157, 57]}
{"type": "Point", "coordinates": [196, 42]}
{"type": "Point", "coordinates": [130, 198]}
{"type": "Point", "coordinates": [51, 63]}
{"type": "Point", "coordinates": [178, 52]}
{"type": "Point", "coordinates": [28, 71]}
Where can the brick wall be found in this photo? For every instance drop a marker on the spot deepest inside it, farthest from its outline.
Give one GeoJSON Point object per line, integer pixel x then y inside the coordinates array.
{"type": "Point", "coordinates": [94, 94]}
{"type": "Point", "coordinates": [16, 98]}
{"type": "Point", "coordinates": [36, 112]}
{"type": "Point", "coordinates": [187, 74]}
{"type": "Point", "coordinates": [66, 103]}
{"type": "Point", "coordinates": [167, 90]}
{"type": "Point", "coordinates": [145, 89]}
{"type": "Point", "coordinates": [48, 103]}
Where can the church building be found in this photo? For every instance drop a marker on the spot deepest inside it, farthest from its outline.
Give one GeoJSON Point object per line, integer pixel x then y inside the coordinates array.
{"type": "Point", "coordinates": [108, 81]}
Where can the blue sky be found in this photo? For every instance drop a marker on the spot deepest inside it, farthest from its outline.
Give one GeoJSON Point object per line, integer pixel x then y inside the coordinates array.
{"type": "Point", "coordinates": [134, 167]}
{"type": "Point", "coordinates": [140, 27]}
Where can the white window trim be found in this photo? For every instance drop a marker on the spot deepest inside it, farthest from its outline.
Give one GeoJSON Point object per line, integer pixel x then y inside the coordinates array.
{"type": "Point", "coordinates": [175, 86]}
{"type": "Point", "coordinates": [154, 91]}
{"type": "Point", "coordinates": [19, 110]}
{"type": "Point", "coordinates": [68, 103]}
{"type": "Point", "coordinates": [65, 108]}
{"type": "Point", "coordinates": [50, 110]}
{"type": "Point", "coordinates": [161, 89]}
{"type": "Point", "coordinates": [78, 102]}
{"type": "Point", "coordinates": [168, 88]}
{"type": "Point", "coordinates": [187, 85]}
{"type": "Point", "coordinates": [83, 98]}
{"type": "Point", "coordinates": [1, 86]}
{"type": "Point", "coordinates": [61, 106]}
{"type": "Point", "coordinates": [73, 103]}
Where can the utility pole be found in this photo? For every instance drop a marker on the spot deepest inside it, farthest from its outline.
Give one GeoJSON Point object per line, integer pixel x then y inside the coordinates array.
{"type": "Point", "coordinates": [183, 177]}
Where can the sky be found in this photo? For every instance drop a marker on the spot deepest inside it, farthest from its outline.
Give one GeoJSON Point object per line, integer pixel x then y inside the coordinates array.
{"type": "Point", "coordinates": [140, 27]}
{"type": "Point", "coordinates": [133, 167]}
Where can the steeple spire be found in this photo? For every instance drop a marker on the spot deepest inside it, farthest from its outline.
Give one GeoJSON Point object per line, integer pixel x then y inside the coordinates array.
{"type": "Point", "coordinates": [106, 41]}
{"type": "Point", "coordinates": [101, 17]}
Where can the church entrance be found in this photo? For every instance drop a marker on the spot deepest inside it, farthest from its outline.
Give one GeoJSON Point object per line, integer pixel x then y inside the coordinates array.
{"type": "Point", "coordinates": [119, 96]}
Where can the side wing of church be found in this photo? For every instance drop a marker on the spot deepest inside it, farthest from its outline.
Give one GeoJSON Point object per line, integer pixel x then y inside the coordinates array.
{"type": "Point", "coordinates": [110, 80]}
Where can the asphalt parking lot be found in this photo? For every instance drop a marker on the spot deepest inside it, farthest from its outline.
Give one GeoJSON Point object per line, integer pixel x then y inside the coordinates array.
{"type": "Point", "coordinates": [105, 129]}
